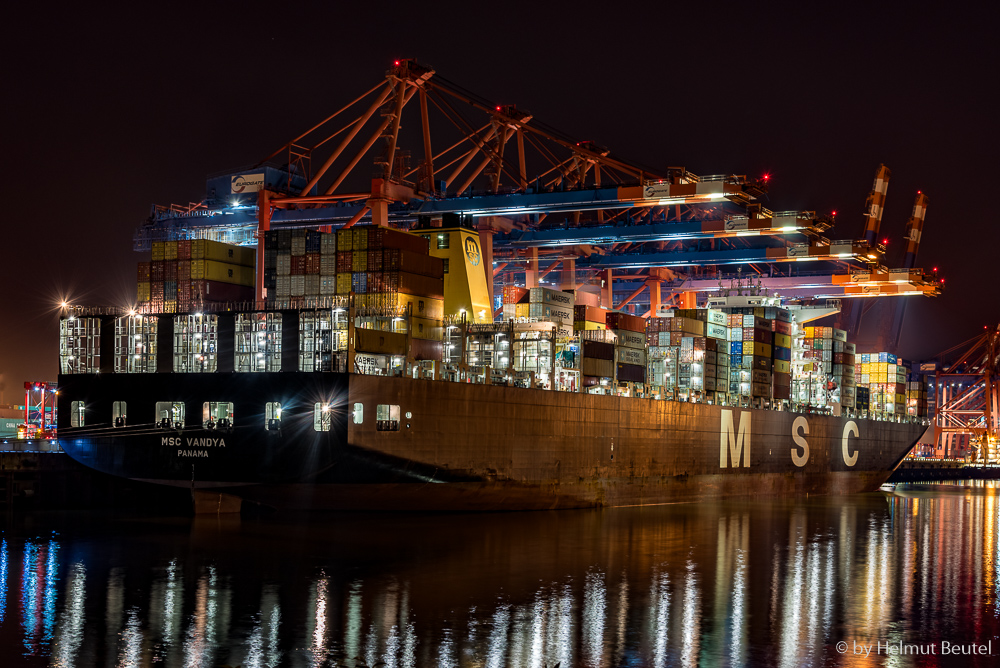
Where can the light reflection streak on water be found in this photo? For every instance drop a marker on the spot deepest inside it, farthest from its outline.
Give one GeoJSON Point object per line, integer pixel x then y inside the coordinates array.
{"type": "Point", "coordinates": [51, 591]}
{"type": "Point", "coordinates": [871, 585]}
{"type": "Point", "coordinates": [691, 619]}
{"type": "Point", "coordinates": [130, 651]}
{"type": "Point", "coordinates": [352, 639]}
{"type": "Point", "coordinates": [622, 618]}
{"type": "Point", "coordinates": [659, 604]}
{"type": "Point", "coordinates": [993, 548]}
{"type": "Point", "coordinates": [195, 642]}
{"type": "Point", "coordinates": [271, 615]}
{"type": "Point", "coordinates": [564, 625]}
{"type": "Point", "coordinates": [318, 622]}
{"type": "Point", "coordinates": [812, 596]}
{"type": "Point", "coordinates": [255, 644]}
{"type": "Point", "coordinates": [114, 602]}
{"type": "Point", "coordinates": [792, 603]}
{"type": "Point", "coordinates": [447, 653]}
{"type": "Point", "coordinates": [830, 589]}
{"type": "Point", "coordinates": [594, 607]}
{"type": "Point", "coordinates": [496, 649]}
{"type": "Point", "coordinates": [537, 630]}
{"type": "Point", "coordinates": [737, 640]}
{"type": "Point", "coordinates": [29, 595]}
{"type": "Point", "coordinates": [3, 579]}
{"type": "Point", "coordinates": [71, 621]}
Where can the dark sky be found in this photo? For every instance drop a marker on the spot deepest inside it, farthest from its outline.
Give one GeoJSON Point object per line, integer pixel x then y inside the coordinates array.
{"type": "Point", "coordinates": [107, 112]}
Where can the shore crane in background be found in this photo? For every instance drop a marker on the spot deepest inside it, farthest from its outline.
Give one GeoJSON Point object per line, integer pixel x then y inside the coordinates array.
{"type": "Point", "coordinates": [544, 204]}
{"type": "Point", "coordinates": [891, 327]}
{"type": "Point", "coordinates": [967, 387]}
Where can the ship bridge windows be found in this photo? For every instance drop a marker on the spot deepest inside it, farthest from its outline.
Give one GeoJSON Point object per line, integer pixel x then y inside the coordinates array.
{"type": "Point", "coordinates": [258, 342]}
{"type": "Point", "coordinates": [272, 416]}
{"type": "Point", "coordinates": [322, 416]}
{"type": "Point", "coordinates": [169, 414]}
{"type": "Point", "coordinates": [79, 345]}
{"type": "Point", "coordinates": [77, 412]}
{"type": "Point", "coordinates": [387, 417]}
{"type": "Point", "coordinates": [217, 415]}
{"type": "Point", "coordinates": [358, 413]}
{"type": "Point", "coordinates": [196, 343]}
{"type": "Point", "coordinates": [135, 344]}
{"type": "Point", "coordinates": [322, 334]}
{"type": "Point", "coordinates": [442, 240]}
{"type": "Point", "coordinates": [118, 413]}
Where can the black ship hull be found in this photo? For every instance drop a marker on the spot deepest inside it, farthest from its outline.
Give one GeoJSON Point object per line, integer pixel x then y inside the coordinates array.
{"type": "Point", "coordinates": [405, 444]}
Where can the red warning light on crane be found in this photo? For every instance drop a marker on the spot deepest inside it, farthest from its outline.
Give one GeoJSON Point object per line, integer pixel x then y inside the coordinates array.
{"type": "Point", "coordinates": [885, 241]}
{"type": "Point", "coordinates": [397, 63]}
{"type": "Point", "coordinates": [767, 177]}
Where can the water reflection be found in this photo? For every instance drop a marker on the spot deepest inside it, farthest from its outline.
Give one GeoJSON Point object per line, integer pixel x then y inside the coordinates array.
{"type": "Point", "coordinates": [774, 583]}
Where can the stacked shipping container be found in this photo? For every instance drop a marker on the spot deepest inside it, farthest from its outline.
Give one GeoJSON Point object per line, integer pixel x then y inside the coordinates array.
{"type": "Point", "coordinates": [183, 275]}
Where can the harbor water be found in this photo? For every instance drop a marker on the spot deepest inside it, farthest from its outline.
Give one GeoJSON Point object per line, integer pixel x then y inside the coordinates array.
{"type": "Point", "coordinates": [908, 576]}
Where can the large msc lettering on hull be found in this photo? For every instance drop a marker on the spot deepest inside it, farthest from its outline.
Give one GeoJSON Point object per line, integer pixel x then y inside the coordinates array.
{"type": "Point", "coordinates": [734, 443]}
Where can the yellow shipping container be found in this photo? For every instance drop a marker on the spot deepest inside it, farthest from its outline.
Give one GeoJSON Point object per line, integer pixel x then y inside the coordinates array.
{"type": "Point", "coordinates": [205, 249]}
{"type": "Point", "coordinates": [221, 272]}
{"type": "Point", "coordinates": [360, 260]}
{"type": "Point", "coordinates": [783, 340]}
{"type": "Point", "coordinates": [586, 324]}
{"type": "Point", "coordinates": [170, 250]}
{"type": "Point", "coordinates": [522, 310]}
{"type": "Point", "coordinates": [343, 281]}
{"type": "Point", "coordinates": [754, 348]}
{"type": "Point", "coordinates": [422, 307]}
{"type": "Point", "coordinates": [143, 291]}
{"type": "Point", "coordinates": [377, 341]}
{"type": "Point", "coordinates": [782, 366]}
{"type": "Point", "coordinates": [157, 251]}
{"type": "Point", "coordinates": [810, 331]}
{"type": "Point", "coordinates": [170, 306]}
{"type": "Point", "coordinates": [360, 239]}
{"type": "Point", "coordinates": [345, 240]}
{"type": "Point", "coordinates": [428, 329]}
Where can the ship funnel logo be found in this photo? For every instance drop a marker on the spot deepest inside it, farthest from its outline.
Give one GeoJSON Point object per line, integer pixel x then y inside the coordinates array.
{"type": "Point", "coordinates": [472, 251]}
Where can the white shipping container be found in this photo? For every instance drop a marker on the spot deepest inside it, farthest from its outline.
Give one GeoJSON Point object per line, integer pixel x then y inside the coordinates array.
{"type": "Point", "coordinates": [298, 284]}
{"type": "Point", "coordinates": [328, 285]}
{"type": "Point", "coordinates": [283, 286]}
{"type": "Point", "coordinates": [632, 339]}
{"type": "Point", "coordinates": [630, 355]}
{"type": "Point", "coordinates": [839, 335]}
{"type": "Point", "coordinates": [328, 243]}
{"type": "Point", "coordinates": [284, 265]}
{"type": "Point", "coordinates": [327, 264]}
{"type": "Point", "coordinates": [298, 245]}
{"type": "Point", "coordinates": [563, 314]}
{"type": "Point", "coordinates": [715, 331]}
{"type": "Point", "coordinates": [547, 296]}
{"type": "Point", "coordinates": [312, 285]}
{"type": "Point", "coordinates": [716, 317]}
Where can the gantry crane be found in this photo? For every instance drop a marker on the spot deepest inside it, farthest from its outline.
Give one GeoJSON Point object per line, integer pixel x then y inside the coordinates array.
{"type": "Point", "coordinates": [539, 199]}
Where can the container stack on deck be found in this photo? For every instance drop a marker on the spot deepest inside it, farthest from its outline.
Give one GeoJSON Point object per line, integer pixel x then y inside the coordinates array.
{"type": "Point", "coordinates": [630, 346]}
{"type": "Point", "coordinates": [885, 377]}
{"type": "Point", "coordinates": [186, 274]}
{"type": "Point", "coordinates": [385, 269]}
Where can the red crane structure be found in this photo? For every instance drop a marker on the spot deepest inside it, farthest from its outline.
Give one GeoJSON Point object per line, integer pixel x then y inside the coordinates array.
{"type": "Point", "coordinates": [968, 391]}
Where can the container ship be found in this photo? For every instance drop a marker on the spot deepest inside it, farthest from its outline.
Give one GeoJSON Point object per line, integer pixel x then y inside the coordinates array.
{"type": "Point", "coordinates": [374, 376]}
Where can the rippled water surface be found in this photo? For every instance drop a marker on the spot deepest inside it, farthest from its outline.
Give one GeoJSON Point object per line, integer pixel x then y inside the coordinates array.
{"type": "Point", "coordinates": [809, 582]}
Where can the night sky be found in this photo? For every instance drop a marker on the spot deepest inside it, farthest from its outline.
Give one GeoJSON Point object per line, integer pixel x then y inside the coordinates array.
{"type": "Point", "coordinates": [106, 113]}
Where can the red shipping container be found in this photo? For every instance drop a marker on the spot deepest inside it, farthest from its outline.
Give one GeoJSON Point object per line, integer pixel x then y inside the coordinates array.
{"type": "Point", "coordinates": [170, 267]}
{"type": "Point", "coordinates": [590, 314]}
{"type": "Point", "coordinates": [184, 249]}
{"type": "Point", "coordinates": [513, 294]}
{"type": "Point", "coordinates": [424, 349]}
{"type": "Point", "coordinates": [214, 291]}
{"type": "Point", "coordinates": [183, 270]}
{"type": "Point", "coordinates": [311, 264]}
{"type": "Point", "coordinates": [389, 238]}
{"type": "Point", "coordinates": [630, 323]}
{"type": "Point", "coordinates": [344, 261]}
{"type": "Point", "coordinates": [374, 260]}
{"type": "Point", "coordinates": [156, 291]}
{"type": "Point", "coordinates": [394, 259]}
{"type": "Point", "coordinates": [299, 265]}
{"type": "Point", "coordinates": [838, 358]}
{"type": "Point", "coordinates": [184, 290]}
{"type": "Point", "coordinates": [157, 271]}
{"type": "Point", "coordinates": [143, 275]}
